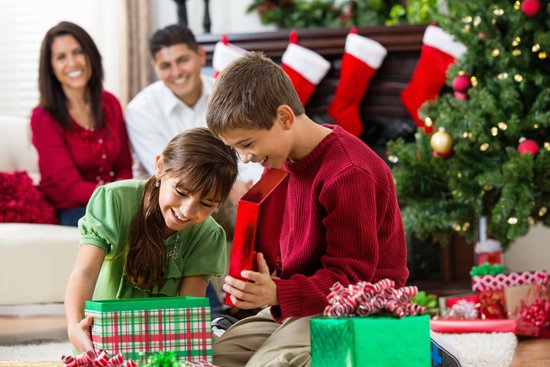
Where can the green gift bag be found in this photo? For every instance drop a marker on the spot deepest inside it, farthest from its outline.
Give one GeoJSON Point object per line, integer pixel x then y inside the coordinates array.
{"type": "Point", "coordinates": [139, 326]}
{"type": "Point", "coordinates": [371, 341]}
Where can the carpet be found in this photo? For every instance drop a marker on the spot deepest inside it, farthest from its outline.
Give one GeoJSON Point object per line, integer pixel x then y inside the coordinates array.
{"type": "Point", "coordinates": [484, 349]}
{"type": "Point", "coordinates": [476, 350]}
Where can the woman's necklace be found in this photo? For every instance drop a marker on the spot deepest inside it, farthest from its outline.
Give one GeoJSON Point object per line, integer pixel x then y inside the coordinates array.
{"type": "Point", "coordinates": [173, 252]}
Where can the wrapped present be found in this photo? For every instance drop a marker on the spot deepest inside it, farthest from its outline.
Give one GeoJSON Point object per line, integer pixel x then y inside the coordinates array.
{"type": "Point", "coordinates": [491, 305]}
{"type": "Point", "coordinates": [140, 326]}
{"type": "Point", "coordinates": [427, 300]}
{"type": "Point", "coordinates": [370, 341]}
{"type": "Point", "coordinates": [258, 224]}
{"type": "Point", "coordinates": [462, 309]}
{"type": "Point", "coordinates": [401, 339]}
{"type": "Point", "coordinates": [500, 281]}
{"type": "Point", "coordinates": [534, 319]}
{"type": "Point", "coordinates": [515, 298]}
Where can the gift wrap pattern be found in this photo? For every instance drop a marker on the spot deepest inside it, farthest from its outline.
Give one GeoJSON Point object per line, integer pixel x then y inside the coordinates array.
{"type": "Point", "coordinates": [500, 281]}
{"type": "Point", "coordinates": [136, 327]}
{"type": "Point", "coordinates": [370, 341]}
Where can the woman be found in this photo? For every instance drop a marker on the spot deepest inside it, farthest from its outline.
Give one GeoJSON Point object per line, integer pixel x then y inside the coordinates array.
{"type": "Point", "coordinates": [78, 128]}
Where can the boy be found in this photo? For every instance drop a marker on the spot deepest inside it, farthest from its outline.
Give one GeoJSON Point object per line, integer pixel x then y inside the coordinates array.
{"type": "Point", "coordinates": [342, 221]}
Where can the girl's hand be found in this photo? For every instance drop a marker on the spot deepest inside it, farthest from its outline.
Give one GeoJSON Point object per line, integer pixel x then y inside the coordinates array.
{"type": "Point", "coordinates": [79, 335]}
{"type": "Point", "coordinates": [259, 291]}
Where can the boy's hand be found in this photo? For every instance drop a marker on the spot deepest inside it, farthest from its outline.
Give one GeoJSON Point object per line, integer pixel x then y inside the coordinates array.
{"type": "Point", "coordinates": [259, 291]}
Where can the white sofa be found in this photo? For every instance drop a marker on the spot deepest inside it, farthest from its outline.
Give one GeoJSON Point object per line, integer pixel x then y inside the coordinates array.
{"type": "Point", "coordinates": [35, 259]}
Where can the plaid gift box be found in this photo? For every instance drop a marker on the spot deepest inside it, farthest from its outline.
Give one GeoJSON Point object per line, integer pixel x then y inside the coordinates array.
{"type": "Point", "coordinates": [370, 341]}
{"type": "Point", "coordinates": [500, 281]}
{"type": "Point", "coordinates": [139, 326]}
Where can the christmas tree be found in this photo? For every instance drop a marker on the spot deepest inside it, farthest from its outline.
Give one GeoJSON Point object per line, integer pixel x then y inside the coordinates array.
{"type": "Point", "coordinates": [489, 152]}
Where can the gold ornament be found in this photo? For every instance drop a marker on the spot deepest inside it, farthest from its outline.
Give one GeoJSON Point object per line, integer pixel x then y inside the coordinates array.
{"type": "Point", "coordinates": [441, 141]}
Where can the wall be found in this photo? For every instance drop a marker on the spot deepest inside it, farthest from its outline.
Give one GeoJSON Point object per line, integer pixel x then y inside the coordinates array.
{"type": "Point", "coordinates": [531, 252]}
{"type": "Point", "coordinates": [24, 23]}
{"type": "Point", "coordinates": [226, 16]}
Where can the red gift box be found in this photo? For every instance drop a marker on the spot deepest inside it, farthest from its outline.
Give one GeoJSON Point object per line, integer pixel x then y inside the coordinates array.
{"type": "Point", "coordinates": [500, 281]}
{"type": "Point", "coordinates": [258, 224]}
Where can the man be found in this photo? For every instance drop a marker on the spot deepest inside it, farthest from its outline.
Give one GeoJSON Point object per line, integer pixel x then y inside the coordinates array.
{"type": "Point", "coordinates": [174, 103]}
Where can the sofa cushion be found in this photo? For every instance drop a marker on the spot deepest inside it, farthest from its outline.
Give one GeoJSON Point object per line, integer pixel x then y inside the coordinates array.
{"type": "Point", "coordinates": [35, 262]}
{"type": "Point", "coordinates": [16, 150]}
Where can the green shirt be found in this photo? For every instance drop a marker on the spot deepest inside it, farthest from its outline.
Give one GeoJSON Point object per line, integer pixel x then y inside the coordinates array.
{"type": "Point", "coordinates": [201, 248]}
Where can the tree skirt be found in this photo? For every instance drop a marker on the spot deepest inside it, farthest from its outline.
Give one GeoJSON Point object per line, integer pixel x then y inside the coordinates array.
{"type": "Point", "coordinates": [476, 350]}
{"type": "Point", "coordinates": [484, 349]}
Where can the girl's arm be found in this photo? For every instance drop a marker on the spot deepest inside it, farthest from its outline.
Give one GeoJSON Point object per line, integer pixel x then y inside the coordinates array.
{"type": "Point", "coordinates": [80, 288]}
{"type": "Point", "coordinates": [193, 286]}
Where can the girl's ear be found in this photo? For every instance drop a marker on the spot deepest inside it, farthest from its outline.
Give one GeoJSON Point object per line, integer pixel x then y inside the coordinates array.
{"type": "Point", "coordinates": [159, 166]}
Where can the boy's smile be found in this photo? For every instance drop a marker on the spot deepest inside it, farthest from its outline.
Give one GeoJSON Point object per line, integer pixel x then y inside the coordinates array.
{"type": "Point", "coordinates": [262, 146]}
{"type": "Point", "coordinates": [266, 147]}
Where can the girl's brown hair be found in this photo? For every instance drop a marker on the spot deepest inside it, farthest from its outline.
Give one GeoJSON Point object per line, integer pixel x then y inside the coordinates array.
{"type": "Point", "coordinates": [202, 163]}
{"type": "Point", "coordinates": [52, 97]}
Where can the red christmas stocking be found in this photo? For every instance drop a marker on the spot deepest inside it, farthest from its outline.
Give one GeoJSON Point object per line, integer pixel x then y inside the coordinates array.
{"type": "Point", "coordinates": [439, 50]}
{"type": "Point", "coordinates": [224, 54]}
{"type": "Point", "coordinates": [360, 61]}
{"type": "Point", "coordinates": [305, 68]}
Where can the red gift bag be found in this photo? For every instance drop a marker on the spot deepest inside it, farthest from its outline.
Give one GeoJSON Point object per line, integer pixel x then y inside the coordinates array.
{"type": "Point", "coordinates": [258, 224]}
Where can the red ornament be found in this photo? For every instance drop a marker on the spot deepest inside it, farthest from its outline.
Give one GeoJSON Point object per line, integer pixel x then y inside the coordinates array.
{"type": "Point", "coordinates": [461, 83]}
{"type": "Point", "coordinates": [461, 96]}
{"type": "Point", "coordinates": [442, 155]}
{"type": "Point", "coordinates": [530, 7]}
{"type": "Point", "coordinates": [528, 146]}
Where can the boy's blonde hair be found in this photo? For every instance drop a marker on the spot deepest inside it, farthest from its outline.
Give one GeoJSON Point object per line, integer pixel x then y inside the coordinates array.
{"type": "Point", "coordinates": [247, 94]}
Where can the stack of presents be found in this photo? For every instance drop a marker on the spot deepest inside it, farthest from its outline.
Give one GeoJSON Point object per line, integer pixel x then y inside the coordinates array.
{"type": "Point", "coordinates": [500, 301]}
{"type": "Point", "coordinates": [364, 324]}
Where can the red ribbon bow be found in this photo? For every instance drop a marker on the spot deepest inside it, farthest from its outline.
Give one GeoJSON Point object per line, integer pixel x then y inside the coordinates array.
{"type": "Point", "coordinates": [365, 298]}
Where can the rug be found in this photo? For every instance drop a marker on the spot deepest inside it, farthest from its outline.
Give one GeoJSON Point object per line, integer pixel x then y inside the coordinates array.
{"type": "Point", "coordinates": [476, 350]}
{"type": "Point", "coordinates": [484, 349]}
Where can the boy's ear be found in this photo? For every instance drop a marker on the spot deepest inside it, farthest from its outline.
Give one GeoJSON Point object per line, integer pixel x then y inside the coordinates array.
{"type": "Point", "coordinates": [285, 116]}
{"type": "Point", "coordinates": [159, 166]}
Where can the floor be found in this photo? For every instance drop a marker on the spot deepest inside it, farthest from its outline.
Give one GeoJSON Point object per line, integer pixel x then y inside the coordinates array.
{"type": "Point", "coordinates": [14, 330]}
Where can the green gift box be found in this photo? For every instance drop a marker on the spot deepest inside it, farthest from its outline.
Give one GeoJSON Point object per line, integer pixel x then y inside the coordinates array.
{"type": "Point", "coordinates": [371, 341]}
{"type": "Point", "coordinates": [139, 326]}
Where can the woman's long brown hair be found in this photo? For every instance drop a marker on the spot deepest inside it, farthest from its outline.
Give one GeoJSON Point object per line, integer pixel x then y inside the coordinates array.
{"type": "Point", "coordinates": [52, 97]}
{"type": "Point", "coordinates": [201, 163]}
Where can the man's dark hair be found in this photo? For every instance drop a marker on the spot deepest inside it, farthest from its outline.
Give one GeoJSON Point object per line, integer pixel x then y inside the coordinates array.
{"type": "Point", "coordinates": [172, 35]}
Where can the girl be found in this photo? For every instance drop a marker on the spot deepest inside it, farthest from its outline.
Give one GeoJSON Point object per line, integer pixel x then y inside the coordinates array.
{"type": "Point", "coordinates": [153, 238]}
{"type": "Point", "coordinates": [78, 128]}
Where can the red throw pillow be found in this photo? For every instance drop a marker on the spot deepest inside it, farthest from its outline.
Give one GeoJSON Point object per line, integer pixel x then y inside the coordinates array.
{"type": "Point", "coordinates": [21, 202]}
